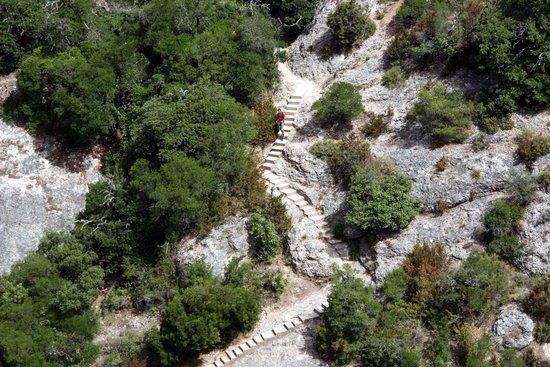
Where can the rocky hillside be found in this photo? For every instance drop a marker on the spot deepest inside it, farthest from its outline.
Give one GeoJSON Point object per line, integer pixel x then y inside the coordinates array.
{"type": "Point", "coordinates": [41, 188]}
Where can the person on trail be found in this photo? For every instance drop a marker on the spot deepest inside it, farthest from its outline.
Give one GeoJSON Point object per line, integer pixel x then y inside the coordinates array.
{"type": "Point", "coordinates": [280, 120]}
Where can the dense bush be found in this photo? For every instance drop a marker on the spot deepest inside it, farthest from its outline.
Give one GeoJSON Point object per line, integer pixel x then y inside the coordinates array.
{"type": "Point", "coordinates": [58, 284]}
{"type": "Point", "coordinates": [394, 77]}
{"type": "Point", "coordinates": [68, 93]}
{"type": "Point", "coordinates": [523, 188]}
{"type": "Point", "coordinates": [341, 103]}
{"type": "Point", "coordinates": [537, 304]}
{"type": "Point", "coordinates": [350, 23]}
{"type": "Point", "coordinates": [503, 217]}
{"type": "Point", "coordinates": [294, 15]}
{"type": "Point", "coordinates": [380, 202]}
{"type": "Point", "coordinates": [203, 315]}
{"type": "Point", "coordinates": [268, 242]}
{"type": "Point", "coordinates": [351, 314]}
{"type": "Point", "coordinates": [447, 115]}
{"type": "Point", "coordinates": [507, 247]}
{"type": "Point", "coordinates": [27, 25]}
{"type": "Point", "coordinates": [345, 156]}
{"type": "Point", "coordinates": [376, 125]}
{"type": "Point", "coordinates": [532, 145]}
{"type": "Point", "coordinates": [482, 283]}
{"type": "Point", "coordinates": [500, 39]}
{"type": "Point", "coordinates": [265, 112]}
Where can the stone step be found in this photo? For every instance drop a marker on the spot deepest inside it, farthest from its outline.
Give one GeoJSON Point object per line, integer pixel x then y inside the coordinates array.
{"type": "Point", "coordinates": [295, 96]}
{"type": "Point", "coordinates": [294, 102]}
{"type": "Point", "coordinates": [271, 159]}
{"type": "Point", "coordinates": [274, 153]}
{"type": "Point", "coordinates": [282, 185]}
{"type": "Point", "coordinates": [267, 165]}
{"type": "Point", "coordinates": [301, 203]}
{"type": "Point", "coordinates": [317, 217]}
{"type": "Point", "coordinates": [288, 191]}
{"type": "Point", "coordinates": [289, 107]}
{"type": "Point", "coordinates": [295, 197]}
{"type": "Point", "coordinates": [277, 148]}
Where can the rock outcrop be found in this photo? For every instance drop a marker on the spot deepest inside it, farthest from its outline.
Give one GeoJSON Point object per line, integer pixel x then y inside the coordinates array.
{"type": "Point", "coordinates": [457, 229]}
{"type": "Point", "coordinates": [535, 237]}
{"type": "Point", "coordinates": [513, 328]}
{"type": "Point", "coordinates": [223, 243]}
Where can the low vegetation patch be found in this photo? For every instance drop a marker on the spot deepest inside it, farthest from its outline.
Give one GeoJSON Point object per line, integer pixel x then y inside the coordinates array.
{"type": "Point", "coordinates": [532, 145]}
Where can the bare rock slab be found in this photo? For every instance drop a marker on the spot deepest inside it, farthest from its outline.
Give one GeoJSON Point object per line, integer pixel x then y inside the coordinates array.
{"type": "Point", "coordinates": [513, 328]}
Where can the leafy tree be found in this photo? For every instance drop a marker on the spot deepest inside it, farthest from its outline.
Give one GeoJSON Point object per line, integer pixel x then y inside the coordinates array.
{"type": "Point", "coordinates": [381, 202]}
{"type": "Point", "coordinates": [447, 115]}
{"type": "Point", "coordinates": [350, 24]}
{"type": "Point", "coordinates": [341, 103]}
{"type": "Point", "coordinates": [295, 15]}
{"type": "Point", "coordinates": [351, 313]}
{"type": "Point", "coordinates": [67, 93]}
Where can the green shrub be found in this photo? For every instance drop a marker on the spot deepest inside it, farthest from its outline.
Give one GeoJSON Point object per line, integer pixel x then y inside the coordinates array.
{"type": "Point", "coordinates": [265, 111]}
{"type": "Point", "coordinates": [68, 93]}
{"type": "Point", "coordinates": [295, 13]}
{"type": "Point", "coordinates": [472, 352]}
{"type": "Point", "coordinates": [537, 304]}
{"type": "Point", "coordinates": [350, 315]}
{"type": "Point", "coordinates": [395, 286]}
{"type": "Point", "coordinates": [523, 188]}
{"type": "Point", "coordinates": [205, 315]}
{"type": "Point", "coordinates": [481, 142]}
{"type": "Point", "coordinates": [482, 283]}
{"type": "Point", "coordinates": [412, 10]}
{"type": "Point", "coordinates": [345, 156]}
{"type": "Point", "coordinates": [507, 247]}
{"type": "Point", "coordinates": [376, 125]}
{"type": "Point", "coordinates": [274, 283]}
{"type": "Point", "coordinates": [394, 77]}
{"type": "Point", "coordinates": [268, 242]}
{"type": "Point", "coordinates": [543, 179]}
{"type": "Point", "coordinates": [117, 300]}
{"type": "Point", "coordinates": [532, 145]}
{"type": "Point", "coordinates": [341, 103]}
{"type": "Point", "coordinates": [502, 218]}
{"type": "Point", "coordinates": [492, 124]}
{"type": "Point", "coordinates": [509, 358]}
{"type": "Point", "coordinates": [447, 115]}
{"type": "Point", "coordinates": [380, 202]}
{"type": "Point", "coordinates": [350, 23]}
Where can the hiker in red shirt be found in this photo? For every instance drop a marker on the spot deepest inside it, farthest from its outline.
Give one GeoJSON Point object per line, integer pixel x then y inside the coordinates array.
{"type": "Point", "coordinates": [280, 120]}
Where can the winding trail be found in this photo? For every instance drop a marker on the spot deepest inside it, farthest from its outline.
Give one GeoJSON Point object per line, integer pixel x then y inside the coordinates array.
{"type": "Point", "coordinates": [301, 93]}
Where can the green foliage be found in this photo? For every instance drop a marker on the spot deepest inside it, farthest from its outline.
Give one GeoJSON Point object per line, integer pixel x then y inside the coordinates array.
{"type": "Point", "coordinates": [532, 145]}
{"type": "Point", "coordinates": [537, 304]}
{"type": "Point", "coordinates": [412, 10]}
{"type": "Point", "coordinates": [59, 283]}
{"type": "Point", "coordinates": [67, 93]}
{"type": "Point", "coordinates": [507, 247]}
{"type": "Point", "coordinates": [509, 358]}
{"type": "Point", "coordinates": [345, 156]}
{"type": "Point", "coordinates": [473, 353]}
{"type": "Point", "coordinates": [265, 112]}
{"type": "Point", "coordinates": [394, 77]}
{"type": "Point", "coordinates": [523, 188]}
{"type": "Point", "coordinates": [447, 115]}
{"type": "Point", "coordinates": [503, 218]}
{"type": "Point", "coordinates": [351, 313]}
{"type": "Point", "coordinates": [296, 15]}
{"type": "Point", "coordinates": [380, 202]}
{"type": "Point", "coordinates": [182, 191]}
{"type": "Point", "coordinates": [376, 124]}
{"type": "Point", "coordinates": [497, 38]}
{"type": "Point", "coordinates": [268, 242]}
{"type": "Point", "coordinates": [117, 300]}
{"type": "Point", "coordinates": [395, 286]}
{"type": "Point", "coordinates": [204, 315]}
{"type": "Point", "coordinates": [483, 284]}
{"type": "Point", "coordinates": [492, 124]}
{"type": "Point", "coordinates": [341, 103]}
{"type": "Point", "coordinates": [27, 25]}
{"type": "Point", "coordinates": [350, 23]}
{"type": "Point", "coordinates": [243, 274]}
{"type": "Point", "coordinates": [480, 142]}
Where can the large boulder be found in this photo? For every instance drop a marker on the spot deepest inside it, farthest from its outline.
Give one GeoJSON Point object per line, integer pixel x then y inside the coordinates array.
{"type": "Point", "coordinates": [311, 255]}
{"type": "Point", "coordinates": [223, 243]}
{"type": "Point", "coordinates": [513, 328]}
{"type": "Point", "coordinates": [535, 237]}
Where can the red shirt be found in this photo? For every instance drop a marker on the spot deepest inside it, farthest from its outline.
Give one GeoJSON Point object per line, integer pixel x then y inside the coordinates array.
{"type": "Point", "coordinates": [281, 116]}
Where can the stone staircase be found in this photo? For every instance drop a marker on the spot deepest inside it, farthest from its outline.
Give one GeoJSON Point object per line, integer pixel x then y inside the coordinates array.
{"type": "Point", "coordinates": [294, 103]}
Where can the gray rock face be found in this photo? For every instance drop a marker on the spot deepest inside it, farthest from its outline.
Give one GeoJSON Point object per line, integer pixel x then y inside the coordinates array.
{"type": "Point", "coordinates": [535, 237]}
{"type": "Point", "coordinates": [456, 229]}
{"type": "Point", "coordinates": [310, 254]}
{"type": "Point", "coordinates": [222, 244]}
{"type": "Point", "coordinates": [513, 328]}
{"type": "Point", "coordinates": [36, 194]}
